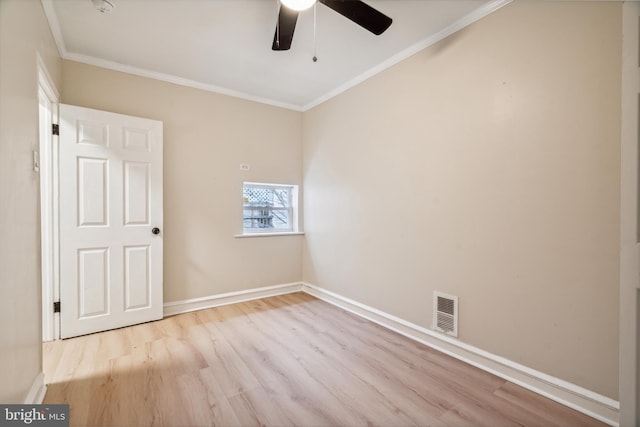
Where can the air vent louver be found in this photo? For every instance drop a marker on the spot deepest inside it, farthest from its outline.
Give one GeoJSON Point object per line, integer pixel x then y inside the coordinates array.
{"type": "Point", "coordinates": [445, 313]}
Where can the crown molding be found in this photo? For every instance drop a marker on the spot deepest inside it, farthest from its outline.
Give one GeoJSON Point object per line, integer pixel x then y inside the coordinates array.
{"type": "Point", "coordinates": [465, 21]}
{"type": "Point", "coordinates": [458, 25]}
{"type": "Point", "coordinates": [169, 78]}
{"type": "Point", "coordinates": [54, 25]}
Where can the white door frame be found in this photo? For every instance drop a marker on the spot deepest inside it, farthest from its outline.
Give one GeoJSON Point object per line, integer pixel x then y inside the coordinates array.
{"type": "Point", "coordinates": [48, 164]}
{"type": "Point", "coordinates": [629, 376]}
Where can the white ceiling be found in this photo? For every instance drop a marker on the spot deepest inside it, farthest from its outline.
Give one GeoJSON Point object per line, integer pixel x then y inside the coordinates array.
{"type": "Point", "coordinates": [225, 45]}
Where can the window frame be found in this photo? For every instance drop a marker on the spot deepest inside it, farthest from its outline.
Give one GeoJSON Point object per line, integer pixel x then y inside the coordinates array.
{"type": "Point", "coordinates": [291, 209]}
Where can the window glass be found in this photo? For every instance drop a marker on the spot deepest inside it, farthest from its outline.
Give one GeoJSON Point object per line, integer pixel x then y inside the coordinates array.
{"type": "Point", "coordinates": [268, 207]}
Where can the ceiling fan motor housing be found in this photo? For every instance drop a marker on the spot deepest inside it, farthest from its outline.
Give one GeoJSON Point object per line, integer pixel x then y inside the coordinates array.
{"type": "Point", "coordinates": [355, 10]}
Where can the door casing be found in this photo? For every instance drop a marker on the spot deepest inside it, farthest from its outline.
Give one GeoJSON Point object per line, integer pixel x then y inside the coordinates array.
{"type": "Point", "coordinates": [48, 165]}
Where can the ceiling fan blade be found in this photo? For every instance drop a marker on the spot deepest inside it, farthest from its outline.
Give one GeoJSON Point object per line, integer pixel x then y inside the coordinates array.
{"type": "Point", "coordinates": [285, 27]}
{"type": "Point", "coordinates": [360, 13]}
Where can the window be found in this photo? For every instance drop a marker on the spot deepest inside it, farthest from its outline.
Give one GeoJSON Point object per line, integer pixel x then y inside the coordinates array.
{"type": "Point", "coordinates": [269, 208]}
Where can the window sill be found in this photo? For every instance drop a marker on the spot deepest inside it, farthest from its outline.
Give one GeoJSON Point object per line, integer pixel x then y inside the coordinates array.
{"type": "Point", "coordinates": [284, 233]}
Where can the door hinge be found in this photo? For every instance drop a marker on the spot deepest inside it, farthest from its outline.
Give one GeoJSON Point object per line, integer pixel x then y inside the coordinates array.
{"type": "Point", "coordinates": [56, 307]}
{"type": "Point", "coordinates": [55, 129]}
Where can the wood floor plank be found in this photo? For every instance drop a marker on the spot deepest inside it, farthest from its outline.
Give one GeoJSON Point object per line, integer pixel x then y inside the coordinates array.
{"type": "Point", "coordinates": [277, 370]}
{"type": "Point", "coordinates": [255, 408]}
{"type": "Point", "coordinates": [222, 413]}
{"type": "Point", "coordinates": [325, 402]}
{"type": "Point", "coordinates": [388, 366]}
{"type": "Point", "coordinates": [545, 409]}
{"type": "Point", "coordinates": [290, 360]}
{"type": "Point", "coordinates": [231, 373]}
{"type": "Point", "coordinates": [475, 415]}
{"type": "Point", "coordinates": [369, 388]}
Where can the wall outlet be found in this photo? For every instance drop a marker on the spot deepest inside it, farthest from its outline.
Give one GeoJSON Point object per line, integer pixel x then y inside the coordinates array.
{"type": "Point", "coordinates": [244, 166]}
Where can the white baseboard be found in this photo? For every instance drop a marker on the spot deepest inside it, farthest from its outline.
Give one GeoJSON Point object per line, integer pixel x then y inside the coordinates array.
{"type": "Point", "coordinates": [193, 304]}
{"type": "Point", "coordinates": [588, 402]}
{"type": "Point", "coordinates": [37, 391]}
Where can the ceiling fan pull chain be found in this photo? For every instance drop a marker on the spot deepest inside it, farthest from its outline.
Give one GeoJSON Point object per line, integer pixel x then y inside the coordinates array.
{"type": "Point", "coordinates": [278, 23]}
{"type": "Point", "coordinates": [315, 43]}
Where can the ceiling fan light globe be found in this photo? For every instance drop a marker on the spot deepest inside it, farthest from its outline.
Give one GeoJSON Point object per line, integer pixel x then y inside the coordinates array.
{"type": "Point", "coordinates": [298, 5]}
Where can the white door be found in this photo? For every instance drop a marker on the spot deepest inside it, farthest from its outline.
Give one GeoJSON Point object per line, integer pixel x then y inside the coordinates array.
{"type": "Point", "coordinates": [110, 220]}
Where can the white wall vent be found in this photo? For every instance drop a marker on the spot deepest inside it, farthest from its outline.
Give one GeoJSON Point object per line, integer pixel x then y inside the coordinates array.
{"type": "Point", "coordinates": [445, 313]}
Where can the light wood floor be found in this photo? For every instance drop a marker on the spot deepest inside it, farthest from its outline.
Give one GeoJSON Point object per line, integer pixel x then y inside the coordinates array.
{"type": "Point", "coordinates": [290, 360]}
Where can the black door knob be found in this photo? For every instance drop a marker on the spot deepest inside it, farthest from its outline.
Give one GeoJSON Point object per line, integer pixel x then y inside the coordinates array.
{"type": "Point", "coordinates": [155, 230]}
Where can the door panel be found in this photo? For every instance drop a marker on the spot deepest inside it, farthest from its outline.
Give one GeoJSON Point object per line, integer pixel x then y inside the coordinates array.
{"type": "Point", "coordinates": [92, 191]}
{"type": "Point", "coordinates": [93, 282]}
{"type": "Point", "coordinates": [136, 277]}
{"type": "Point", "coordinates": [136, 193]}
{"type": "Point", "coordinates": [110, 199]}
{"type": "Point", "coordinates": [93, 133]}
{"type": "Point", "coordinates": [137, 139]}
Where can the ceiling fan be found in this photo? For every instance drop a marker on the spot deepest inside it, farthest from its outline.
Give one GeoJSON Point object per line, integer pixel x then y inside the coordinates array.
{"type": "Point", "coordinates": [355, 10]}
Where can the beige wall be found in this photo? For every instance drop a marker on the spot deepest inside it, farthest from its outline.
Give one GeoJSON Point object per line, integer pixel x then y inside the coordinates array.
{"type": "Point", "coordinates": [486, 166]}
{"type": "Point", "coordinates": [24, 32]}
{"type": "Point", "coordinates": [206, 137]}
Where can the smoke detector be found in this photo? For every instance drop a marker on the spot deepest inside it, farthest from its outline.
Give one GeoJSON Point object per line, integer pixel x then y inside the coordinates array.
{"type": "Point", "coordinates": [103, 6]}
